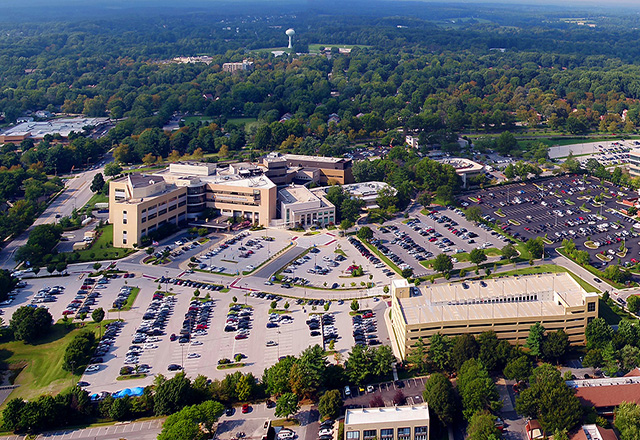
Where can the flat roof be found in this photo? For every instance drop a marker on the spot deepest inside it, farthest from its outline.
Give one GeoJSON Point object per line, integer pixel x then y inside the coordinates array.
{"type": "Point", "coordinates": [327, 159]}
{"type": "Point", "coordinates": [508, 297]}
{"type": "Point", "coordinates": [221, 177]}
{"type": "Point", "coordinates": [462, 165]}
{"type": "Point", "coordinates": [61, 126]}
{"type": "Point", "coordinates": [297, 194]}
{"type": "Point", "coordinates": [407, 413]}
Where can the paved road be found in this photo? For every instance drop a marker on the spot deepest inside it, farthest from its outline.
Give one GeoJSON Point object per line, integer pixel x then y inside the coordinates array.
{"type": "Point", "coordinates": [76, 194]}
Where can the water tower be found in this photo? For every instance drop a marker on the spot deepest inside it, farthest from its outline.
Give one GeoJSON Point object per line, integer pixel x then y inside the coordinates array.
{"type": "Point", "coordinates": [290, 33]}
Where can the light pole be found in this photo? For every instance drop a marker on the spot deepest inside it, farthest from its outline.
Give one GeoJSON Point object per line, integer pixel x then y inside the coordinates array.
{"type": "Point", "coordinates": [166, 282]}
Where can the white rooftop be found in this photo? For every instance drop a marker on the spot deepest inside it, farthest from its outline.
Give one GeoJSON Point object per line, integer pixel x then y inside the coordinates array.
{"type": "Point", "coordinates": [63, 127]}
{"type": "Point", "coordinates": [407, 413]}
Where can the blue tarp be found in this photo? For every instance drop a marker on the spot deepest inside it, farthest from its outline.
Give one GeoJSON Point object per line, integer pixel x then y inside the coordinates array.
{"type": "Point", "coordinates": [137, 391]}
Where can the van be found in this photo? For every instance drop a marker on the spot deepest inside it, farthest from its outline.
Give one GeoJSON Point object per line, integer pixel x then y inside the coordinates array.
{"type": "Point", "coordinates": [347, 391]}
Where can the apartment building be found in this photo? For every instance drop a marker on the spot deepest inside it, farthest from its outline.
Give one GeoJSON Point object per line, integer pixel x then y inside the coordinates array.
{"type": "Point", "coordinates": [388, 423]}
{"type": "Point", "coordinates": [509, 306]}
{"type": "Point", "coordinates": [244, 66]}
{"type": "Point", "coordinates": [139, 205]}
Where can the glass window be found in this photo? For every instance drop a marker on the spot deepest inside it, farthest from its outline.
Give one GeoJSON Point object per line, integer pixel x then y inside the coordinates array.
{"type": "Point", "coordinates": [386, 433]}
{"type": "Point", "coordinates": [368, 434]}
{"type": "Point", "coordinates": [353, 435]}
{"type": "Point", "coordinates": [404, 433]}
{"type": "Point", "coordinates": [421, 432]}
{"type": "Point", "coordinates": [591, 307]}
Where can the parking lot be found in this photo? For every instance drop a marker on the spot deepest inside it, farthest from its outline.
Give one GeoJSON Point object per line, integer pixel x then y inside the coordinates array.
{"type": "Point", "coordinates": [424, 236]}
{"type": "Point", "coordinates": [262, 346]}
{"type": "Point", "coordinates": [610, 154]}
{"type": "Point", "coordinates": [411, 389]}
{"type": "Point", "coordinates": [332, 265]}
{"type": "Point", "coordinates": [565, 208]}
{"type": "Point", "coordinates": [242, 253]}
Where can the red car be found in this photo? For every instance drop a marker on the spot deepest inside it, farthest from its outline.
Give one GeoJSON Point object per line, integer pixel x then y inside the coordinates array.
{"type": "Point", "coordinates": [245, 408]}
{"type": "Point", "coordinates": [67, 312]}
{"type": "Point", "coordinates": [201, 327]}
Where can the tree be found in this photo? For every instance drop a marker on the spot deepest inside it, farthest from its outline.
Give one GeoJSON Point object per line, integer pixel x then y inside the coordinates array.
{"type": "Point", "coordinates": [355, 305]}
{"type": "Point", "coordinates": [482, 426]}
{"type": "Point", "coordinates": [417, 357]}
{"type": "Point", "coordinates": [626, 421]}
{"type": "Point", "coordinates": [593, 358]}
{"type": "Point", "coordinates": [477, 390]}
{"type": "Point", "coordinates": [97, 315]}
{"type": "Point", "coordinates": [98, 183]}
{"type": "Point", "coordinates": [439, 392]}
{"type": "Point", "coordinates": [112, 169]}
{"type": "Point", "coordinates": [407, 272]}
{"type": "Point", "coordinates": [509, 252]}
{"type": "Point", "coordinates": [518, 368]}
{"type": "Point", "coordinates": [535, 339]}
{"type": "Point", "coordinates": [439, 351]}
{"type": "Point", "coordinates": [535, 246]}
{"type": "Point", "coordinates": [78, 353]}
{"type": "Point", "coordinates": [358, 366]}
{"type": "Point", "coordinates": [245, 386]}
{"type": "Point", "coordinates": [550, 400]}
{"type": "Point", "coordinates": [330, 404]}
{"type": "Point", "coordinates": [187, 423]}
{"type": "Point", "coordinates": [29, 324]}
{"type": "Point", "coordinates": [555, 345]}
{"type": "Point", "coordinates": [172, 394]}
{"type": "Point", "coordinates": [306, 375]}
{"type": "Point", "coordinates": [364, 233]}
{"type": "Point", "coordinates": [489, 354]}
{"type": "Point", "coordinates": [424, 198]}
{"type": "Point", "coordinates": [633, 303]}
{"type": "Point", "coordinates": [287, 405]}
{"type": "Point", "coordinates": [464, 348]}
{"type": "Point", "coordinates": [598, 333]}
{"type": "Point", "coordinates": [121, 408]}
{"type": "Point", "coordinates": [7, 283]}
{"type": "Point", "coordinates": [474, 214]}
{"type": "Point", "coordinates": [477, 256]}
{"type": "Point", "coordinates": [276, 378]}
{"type": "Point", "coordinates": [443, 263]}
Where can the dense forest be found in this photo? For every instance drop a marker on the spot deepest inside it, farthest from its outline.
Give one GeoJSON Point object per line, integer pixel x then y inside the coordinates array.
{"type": "Point", "coordinates": [434, 70]}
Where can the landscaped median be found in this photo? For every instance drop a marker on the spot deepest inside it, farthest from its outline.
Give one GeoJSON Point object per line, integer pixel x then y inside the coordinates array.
{"type": "Point", "coordinates": [130, 300]}
{"type": "Point", "coordinates": [379, 254]}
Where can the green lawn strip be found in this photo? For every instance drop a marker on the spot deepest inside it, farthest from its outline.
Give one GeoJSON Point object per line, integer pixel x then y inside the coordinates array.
{"type": "Point", "coordinates": [341, 252]}
{"type": "Point", "coordinates": [131, 376]}
{"type": "Point", "coordinates": [247, 272]}
{"type": "Point", "coordinates": [232, 365]}
{"type": "Point", "coordinates": [101, 249]}
{"type": "Point", "coordinates": [97, 198]}
{"type": "Point", "coordinates": [42, 362]}
{"type": "Point", "coordinates": [388, 262]}
{"type": "Point", "coordinates": [129, 303]}
{"type": "Point", "coordinates": [279, 311]}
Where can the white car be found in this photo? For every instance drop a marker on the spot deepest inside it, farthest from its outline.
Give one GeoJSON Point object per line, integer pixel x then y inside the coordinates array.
{"type": "Point", "coordinates": [196, 343]}
{"type": "Point", "coordinates": [325, 431]}
{"type": "Point", "coordinates": [91, 368]}
{"type": "Point", "coordinates": [286, 434]}
{"type": "Point", "coordinates": [193, 355]}
{"type": "Point", "coordinates": [150, 346]}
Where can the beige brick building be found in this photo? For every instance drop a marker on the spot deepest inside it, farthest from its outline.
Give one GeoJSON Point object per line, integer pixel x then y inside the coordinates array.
{"type": "Point", "coordinates": [387, 423]}
{"type": "Point", "coordinates": [509, 306]}
{"type": "Point", "coordinates": [139, 205]}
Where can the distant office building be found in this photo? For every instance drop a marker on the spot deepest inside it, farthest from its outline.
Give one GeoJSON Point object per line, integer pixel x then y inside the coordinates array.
{"type": "Point", "coordinates": [465, 168]}
{"type": "Point", "coordinates": [387, 423]}
{"type": "Point", "coordinates": [412, 141]}
{"type": "Point", "coordinates": [509, 306]}
{"type": "Point", "coordinates": [300, 207]}
{"type": "Point", "coordinates": [244, 66]}
{"type": "Point", "coordinates": [139, 205]}
{"type": "Point", "coordinates": [38, 130]}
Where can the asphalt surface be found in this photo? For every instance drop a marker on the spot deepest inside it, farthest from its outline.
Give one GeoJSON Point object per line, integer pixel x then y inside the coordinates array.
{"type": "Point", "coordinates": [522, 203]}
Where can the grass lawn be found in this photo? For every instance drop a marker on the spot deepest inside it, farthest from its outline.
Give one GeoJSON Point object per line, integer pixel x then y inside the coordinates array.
{"type": "Point", "coordinates": [129, 303]}
{"type": "Point", "coordinates": [42, 372]}
{"type": "Point", "coordinates": [612, 313]}
{"type": "Point", "coordinates": [102, 249]}
{"type": "Point", "coordinates": [97, 198]}
{"type": "Point", "coordinates": [242, 121]}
